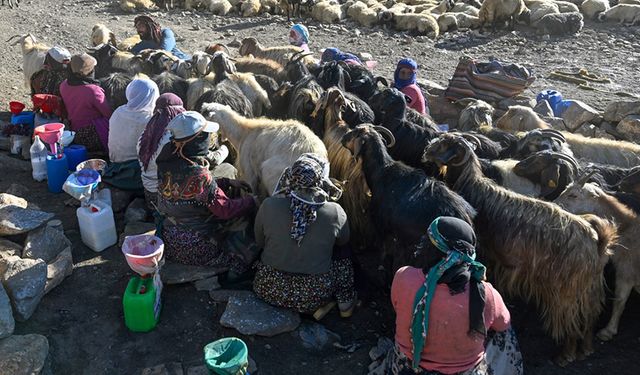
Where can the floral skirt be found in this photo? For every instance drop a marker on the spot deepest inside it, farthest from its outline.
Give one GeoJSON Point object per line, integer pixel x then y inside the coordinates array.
{"type": "Point", "coordinates": [88, 137]}
{"type": "Point", "coordinates": [305, 293]}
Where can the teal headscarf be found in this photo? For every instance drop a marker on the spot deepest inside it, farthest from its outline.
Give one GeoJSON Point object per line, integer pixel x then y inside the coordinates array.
{"type": "Point", "coordinates": [456, 239]}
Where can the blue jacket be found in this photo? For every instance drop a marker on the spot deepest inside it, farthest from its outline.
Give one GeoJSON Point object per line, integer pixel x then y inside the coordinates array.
{"type": "Point", "coordinates": [168, 44]}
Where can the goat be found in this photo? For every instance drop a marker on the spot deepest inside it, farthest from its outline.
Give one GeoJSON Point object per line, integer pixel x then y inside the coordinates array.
{"type": "Point", "coordinates": [201, 62]}
{"type": "Point", "coordinates": [404, 200]}
{"type": "Point", "coordinates": [132, 6]}
{"type": "Point", "coordinates": [128, 43]}
{"type": "Point", "coordinates": [282, 55]}
{"type": "Point", "coordinates": [552, 171]}
{"type": "Point", "coordinates": [545, 255]}
{"type": "Point", "coordinates": [305, 92]}
{"type": "Point", "coordinates": [493, 11]}
{"type": "Point", "coordinates": [33, 54]}
{"type": "Point", "coordinates": [290, 6]}
{"type": "Point", "coordinates": [265, 67]}
{"type": "Point", "coordinates": [266, 146]}
{"type": "Point", "coordinates": [100, 34]}
{"type": "Point", "coordinates": [604, 151]}
{"type": "Point", "coordinates": [560, 24]}
{"type": "Point", "coordinates": [582, 197]}
{"type": "Point", "coordinates": [227, 93]}
{"type": "Point", "coordinates": [169, 82]}
{"type": "Point", "coordinates": [520, 118]}
{"type": "Point", "coordinates": [197, 88]}
{"type": "Point", "coordinates": [475, 114]}
{"type": "Point", "coordinates": [115, 86]}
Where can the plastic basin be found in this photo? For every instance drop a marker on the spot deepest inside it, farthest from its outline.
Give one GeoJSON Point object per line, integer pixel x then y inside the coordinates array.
{"type": "Point", "coordinates": [95, 164]}
{"type": "Point", "coordinates": [50, 133]}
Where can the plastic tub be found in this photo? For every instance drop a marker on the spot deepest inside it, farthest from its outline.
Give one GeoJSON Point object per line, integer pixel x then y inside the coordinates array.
{"type": "Point", "coordinates": [227, 356]}
{"type": "Point", "coordinates": [95, 164]}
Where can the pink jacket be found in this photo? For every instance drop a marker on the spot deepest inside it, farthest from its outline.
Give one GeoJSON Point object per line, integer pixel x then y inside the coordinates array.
{"type": "Point", "coordinates": [84, 104]}
{"type": "Point", "coordinates": [449, 349]}
{"type": "Point", "coordinates": [417, 99]}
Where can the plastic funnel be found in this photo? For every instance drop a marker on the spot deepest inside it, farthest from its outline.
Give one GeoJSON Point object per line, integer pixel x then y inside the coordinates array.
{"type": "Point", "coordinates": [143, 253]}
{"type": "Point", "coordinates": [16, 107]}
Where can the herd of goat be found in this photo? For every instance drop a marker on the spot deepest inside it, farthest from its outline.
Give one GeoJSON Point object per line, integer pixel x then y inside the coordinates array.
{"type": "Point", "coordinates": [550, 207]}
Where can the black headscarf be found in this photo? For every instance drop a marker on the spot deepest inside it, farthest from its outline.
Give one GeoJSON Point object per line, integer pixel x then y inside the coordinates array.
{"type": "Point", "coordinates": [77, 79]}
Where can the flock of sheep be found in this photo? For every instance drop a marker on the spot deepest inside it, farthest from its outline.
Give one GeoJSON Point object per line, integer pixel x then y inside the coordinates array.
{"type": "Point", "coordinates": [430, 17]}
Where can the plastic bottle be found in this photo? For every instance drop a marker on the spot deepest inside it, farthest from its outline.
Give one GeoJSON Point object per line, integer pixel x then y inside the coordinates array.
{"type": "Point", "coordinates": [38, 153]}
{"type": "Point", "coordinates": [97, 227]}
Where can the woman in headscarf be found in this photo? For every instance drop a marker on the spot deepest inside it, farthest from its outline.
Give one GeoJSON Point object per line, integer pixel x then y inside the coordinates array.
{"type": "Point", "coordinates": [54, 71]}
{"type": "Point", "coordinates": [446, 312]}
{"type": "Point", "coordinates": [154, 37]}
{"type": "Point", "coordinates": [203, 218]}
{"type": "Point", "coordinates": [298, 228]}
{"type": "Point", "coordinates": [153, 138]}
{"type": "Point", "coordinates": [299, 36]}
{"type": "Point", "coordinates": [87, 108]}
{"type": "Point", "coordinates": [404, 79]}
{"type": "Point", "coordinates": [334, 54]}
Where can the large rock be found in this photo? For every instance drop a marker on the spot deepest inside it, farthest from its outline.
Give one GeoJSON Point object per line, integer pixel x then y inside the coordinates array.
{"type": "Point", "coordinates": [17, 220]}
{"type": "Point", "coordinates": [629, 127]}
{"type": "Point", "coordinates": [8, 249]}
{"type": "Point", "coordinates": [59, 269]}
{"type": "Point", "coordinates": [45, 243]}
{"type": "Point", "coordinates": [7, 323]}
{"type": "Point", "coordinates": [578, 114]}
{"type": "Point", "coordinates": [24, 281]}
{"type": "Point", "coordinates": [223, 295]}
{"type": "Point", "coordinates": [18, 190]}
{"type": "Point", "coordinates": [23, 355]}
{"type": "Point", "coordinates": [176, 273]}
{"type": "Point", "coordinates": [9, 199]}
{"type": "Point", "coordinates": [136, 211]}
{"type": "Point", "coordinates": [616, 111]}
{"type": "Point", "coordinates": [251, 316]}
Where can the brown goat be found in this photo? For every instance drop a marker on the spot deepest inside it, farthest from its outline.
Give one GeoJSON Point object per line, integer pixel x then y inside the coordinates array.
{"type": "Point", "coordinates": [582, 198]}
{"type": "Point", "coordinates": [538, 251]}
{"type": "Point", "coordinates": [519, 118]}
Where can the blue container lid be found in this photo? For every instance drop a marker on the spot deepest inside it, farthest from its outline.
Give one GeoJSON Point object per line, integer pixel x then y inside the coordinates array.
{"type": "Point", "coordinates": [24, 117]}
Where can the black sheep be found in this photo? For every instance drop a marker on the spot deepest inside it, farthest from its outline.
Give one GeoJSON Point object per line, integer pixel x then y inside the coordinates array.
{"type": "Point", "coordinates": [228, 93]}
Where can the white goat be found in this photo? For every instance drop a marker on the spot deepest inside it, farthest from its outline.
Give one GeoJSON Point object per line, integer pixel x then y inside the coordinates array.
{"type": "Point", "coordinates": [253, 91]}
{"type": "Point", "coordinates": [266, 147]}
{"type": "Point", "coordinates": [132, 5]}
{"type": "Point", "coordinates": [33, 54]}
{"type": "Point", "coordinates": [197, 87]}
{"type": "Point", "coordinates": [100, 34]}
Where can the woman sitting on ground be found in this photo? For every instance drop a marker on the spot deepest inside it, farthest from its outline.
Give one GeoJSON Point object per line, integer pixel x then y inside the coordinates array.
{"type": "Point", "coordinates": [334, 54]}
{"type": "Point", "coordinates": [445, 312]}
{"type": "Point", "coordinates": [404, 79]}
{"type": "Point", "coordinates": [54, 71]}
{"type": "Point", "coordinates": [299, 37]}
{"type": "Point", "coordinates": [87, 108]}
{"type": "Point", "coordinates": [298, 229]}
{"type": "Point", "coordinates": [155, 37]}
{"type": "Point", "coordinates": [203, 217]}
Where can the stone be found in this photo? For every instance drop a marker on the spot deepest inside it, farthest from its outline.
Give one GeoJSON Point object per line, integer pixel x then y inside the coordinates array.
{"type": "Point", "coordinates": [173, 368]}
{"type": "Point", "coordinates": [630, 128]}
{"type": "Point", "coordinates": [7, 323]}
{"type": "Point", "coordinates": [17, 220]}
{"type": "Point", "coordinates": [543, 109]}
{"type": "Point", "coordinates": [5, 143]}
{"type": "Point", "coordinates": [176, 273]}
{"type": "Point", "coordinates": [223, 295]}
{"type": "Point", "coordinates": [60, 268]}
{"type": "Point", "coordinates": [579, 113]}
{"type": "Point", "coordinates": [8, 249]}
{"type": "Point", "coordinates": [24, 281]}
{"type": "Point", "coordinates": [8, 199]}
{"type": "Point", "coordinates": [616, 111]}
{"type": "Point", "coordinates": [431, 87]}
{"type": "Point", "coordinates": [207, 284]}
{"type": "Point", "coordinates": [120, 199]}
{"type": "Point", "coordinates": [253, 367]}
{"type": "Point", "coordinates": [555, 122]}
{"type": "Point", "coordinates": [316, 336]}
{"type": "Point", "coordinates": [251, 316]}
{"type": "Point", "coordinates": [136, 211]}
{"type": "Point", "coordinates": [9, 163]}
{"type": "Point", "coordinates": [198, 370]}
{"type": "Point", "coordinates": [135, 228]}
{"type": "Point", "coordinates": [45, 243]}
{"type": "Point", "coordinates": [23, 355]}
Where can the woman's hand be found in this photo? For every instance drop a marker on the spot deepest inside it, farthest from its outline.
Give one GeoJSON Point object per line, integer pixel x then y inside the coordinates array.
{"type": "Point", "coordinates": [239, 184]}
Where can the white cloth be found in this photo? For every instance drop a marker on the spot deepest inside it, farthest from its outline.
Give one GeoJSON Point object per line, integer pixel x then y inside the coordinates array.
{"type": "Point", "coordinates": [150, 176]}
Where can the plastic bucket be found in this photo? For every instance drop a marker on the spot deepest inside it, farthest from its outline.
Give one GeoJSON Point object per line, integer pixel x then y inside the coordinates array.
{"type": "Point", "coordinates": [57, 173]}
{"type": "Point", "coordinates": [143, 253]}
{"type": "Point", "coordinates": [227, 356]}
{"type": "Point", "coordinates": [16, 107]}
{"type": "Point", "coordinates": [26, 117]}
{"type": "Point", "coordinates": [76, 154]}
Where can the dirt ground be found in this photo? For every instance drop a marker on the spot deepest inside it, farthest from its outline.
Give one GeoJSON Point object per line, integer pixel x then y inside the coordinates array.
{"type": "Point", "coordinates": [83, 319]}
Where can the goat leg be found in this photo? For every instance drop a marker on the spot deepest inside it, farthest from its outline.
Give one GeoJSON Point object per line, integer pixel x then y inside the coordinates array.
{"type": "Point", "coordinates": [567, 353]}
{"type": "Point", "coordinates": [623, 289]}
{"type": "Point", "coordinates": [586, 344]}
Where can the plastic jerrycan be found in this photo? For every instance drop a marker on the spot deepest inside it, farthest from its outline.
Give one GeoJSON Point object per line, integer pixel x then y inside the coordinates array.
{"type": "Point", "coordinates": [97, 226]}
{"type": "Point", "coordinates": [141, 304]}
{"type": "Point", "coordinates": [38, 153]}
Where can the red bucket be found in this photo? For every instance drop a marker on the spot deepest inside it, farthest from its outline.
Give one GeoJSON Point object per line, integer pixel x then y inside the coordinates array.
{"type": "Point", "coordinates": [16, 107]}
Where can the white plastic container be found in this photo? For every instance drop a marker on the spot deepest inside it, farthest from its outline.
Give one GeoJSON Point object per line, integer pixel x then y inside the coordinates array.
{"type": "Point", "coordinates": [97, 227]}
{"type": "Point", "coordinates": [38, 153]}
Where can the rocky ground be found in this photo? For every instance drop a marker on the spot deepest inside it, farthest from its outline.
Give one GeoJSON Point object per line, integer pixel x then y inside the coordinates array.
{"type": "Point", "coordinates": [82, 318]}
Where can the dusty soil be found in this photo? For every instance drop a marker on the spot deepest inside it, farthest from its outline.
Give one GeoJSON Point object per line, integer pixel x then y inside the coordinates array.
{"type": "Point", "coordinates": [83, 319]}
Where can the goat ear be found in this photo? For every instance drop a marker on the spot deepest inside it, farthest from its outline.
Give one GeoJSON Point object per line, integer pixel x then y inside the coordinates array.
{"type": "Point", "coordinates": [357, 147]}
{"type": "Point", "coordinates": [382, 80]}
{"type": "Point", "coordinates": [549, 178]}
{"type": "Point", "coordinates": [112, 39]}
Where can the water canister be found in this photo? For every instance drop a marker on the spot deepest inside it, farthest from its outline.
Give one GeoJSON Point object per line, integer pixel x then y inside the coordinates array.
{"type": "Point", "coordinates": [57, 173]}
{"type": "Point", "coordinates": [97, 227]}
{"type": "Point", "coordinates": [38, 153]}
{"type": "Point", "coordinates": [76, 154]}
{"type": "Point", "coordinates": [140, 305]}
{"type": "Point", "coordinates": [554, 98]}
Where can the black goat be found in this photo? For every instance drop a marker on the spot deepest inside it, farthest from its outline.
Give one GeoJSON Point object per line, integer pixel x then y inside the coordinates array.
{"type": "Point", "coordinates": [115, 87]}
{"type": "Point", "coordinates": [103, 55]}
{"type": "Point", "coordinates": [404, 201]}
{"type": "Point", "coordinates": [362, 81]}
{"type": "Point", "coordinates": [304, 92]}
{"type": "Point", "coordinates": [169, 82]}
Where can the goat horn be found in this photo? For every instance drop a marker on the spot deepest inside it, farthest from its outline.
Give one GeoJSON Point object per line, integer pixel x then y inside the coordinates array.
{"type": "Point", "coordinates": [552, 133]}
{"type": "Point", "coordinates": [15, 36]}
{"type": "Point", "coordinates": [303, 56]}
{"type": "Point", "coordinates": [225, 47]}
{"type": "Point", "coordinates": [390, 140]}
{"type": "Point", "coordinates": [568, 158]}
{"type": "Point", "coordinates": [472, 138]}
{"type": "Point", "coordinates": [583, 179]}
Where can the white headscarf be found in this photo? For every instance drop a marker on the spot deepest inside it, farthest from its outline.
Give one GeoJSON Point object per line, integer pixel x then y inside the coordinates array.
{"type": "Point", "coordinates": [142, 95]}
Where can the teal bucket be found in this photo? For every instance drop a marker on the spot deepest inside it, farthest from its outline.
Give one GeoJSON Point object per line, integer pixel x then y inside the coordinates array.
{"type": "Point", "coordinates": [227, 356]}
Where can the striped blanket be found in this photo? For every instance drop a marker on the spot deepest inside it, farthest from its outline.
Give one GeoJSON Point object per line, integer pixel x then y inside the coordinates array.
{"type": "Point", "coordinates": [491, 82]}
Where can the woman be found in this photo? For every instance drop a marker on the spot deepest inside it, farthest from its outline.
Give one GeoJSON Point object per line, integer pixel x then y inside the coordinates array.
{"type": "Point", "coordinates": [334, 54]}
{"type": "Point", "coordinates": [298, 228]}
{"type": "Point", "coordinates": [154, 37]}
{"type": "Point", "coordinates": [443, 313]}
{"type": "Point", "coordinates": [153, 138]}
{"type": "Point", "coordinates": [404, 79]}
{"type": "Point", "coordinates": [87, 108]}
{"type": "Point", "coordinates": [54, 71]}
{"type": "Point", "coordinates": [202, 224]}
{"type": "Point", "coordinates": [299, 36]}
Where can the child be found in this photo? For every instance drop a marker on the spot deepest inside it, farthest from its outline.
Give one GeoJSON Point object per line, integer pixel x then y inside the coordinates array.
{"type": "Point", "coordinates": [299, 36]}
{"type": "Point", "coordinates": [404, 79]}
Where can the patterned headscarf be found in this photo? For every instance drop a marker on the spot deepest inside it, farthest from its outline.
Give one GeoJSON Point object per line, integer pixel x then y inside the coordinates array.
{"type": "Point", "coordinates": [334, 54]}
{"type": "Point", "coordinates": [301, 35]}
{"type": "Point", "coordinates": [308, 186]}
{"type": "Point", "coordinates": [455, 238]}
{"type": "Point", "coordinates": [155, 32]}
{"type": "Point", "coordinates": [408, 64]}
{"type": "Point", "coordinates": [168, 106]}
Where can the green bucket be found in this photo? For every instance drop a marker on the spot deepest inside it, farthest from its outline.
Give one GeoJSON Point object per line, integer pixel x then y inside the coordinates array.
{"type": "Point", "coordinates": [227, 356]}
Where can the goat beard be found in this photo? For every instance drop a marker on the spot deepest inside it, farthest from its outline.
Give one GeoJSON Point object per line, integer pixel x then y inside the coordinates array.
{"type": "Point", "coordinates": [443, 171]}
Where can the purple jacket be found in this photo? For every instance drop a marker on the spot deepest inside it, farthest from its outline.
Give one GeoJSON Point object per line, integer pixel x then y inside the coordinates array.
{"type": "Point", "coordinates": [84, 104]}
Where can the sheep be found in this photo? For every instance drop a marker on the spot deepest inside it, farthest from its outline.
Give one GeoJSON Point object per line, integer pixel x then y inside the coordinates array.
{"type": "Point", "coordinates": [475, 114]}
{"type": "Point", "coordinates": [545, 255]}
{"type": "Point", "coordinates": [493, 11]}
{"type": "Point", "coordinates": [33, 54]}
{"type": "Point", "coordinates": [539, 9]}
{"type": "Point", "coordinates": [560, 24]}
{"type": "Point", "coordinates": [404, 200]}
{"type": "Point", "coordinates": [443, 7]}
{"type": "Point", "coordinates": [566, 7]}
{"type": "Point", "coordinates": [582, 197]}
{"type": "Point", "coordinates": [329, 11]}
{"type": "Point", "coordinates": [250, 8]}
{"type": "Point", "coordinates": [520, 118]}
{"type": "Point", "coordinates": [197, 88]}
{"type": "Point", "coordinates": [132, 6]}
{"type": "Point", "coordinates": [220, 7]}
{"type": "Point", "coordinates": [592, 8]}
{"type": "Point", "coordinates": [454, 21]}
{"type": "Point", "coordinates": [363, 14]}
{"type": "Point", "coordinates": [423, 24]}
{"type": "Point", "coordinates": [282, 55]}
{"type": "Point", "coordinates": [470, 9]}
{"type": "Point", "coordinates": [115, 86]}
{"type": "Point", "coordinates": [266, 146]}
{"type": "Point", "coordinates": [100, 34]}
{"type": "Point", "coordinates": [623, 13]}
{"type": "Point", "coordinates": [128, 43]}
{"type": "Point", "coordinates": [169, 82]}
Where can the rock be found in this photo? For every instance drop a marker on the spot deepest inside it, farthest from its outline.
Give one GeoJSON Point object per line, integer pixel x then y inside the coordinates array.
{"type": "Point", "coordinates": [555, 122]}
{"type": "Point", "coordinates": [579, 113]}
{"type": "Point", "coordinates": [7, 323]}
{"type": "Point", "coordinates": [176, 273]}
{"type": "Point", "coordinates": [616, 111]}
{"type": "Point", "coordinates": [120, 199]}
{"type": "Point", "coordinates": [316, 336]}
{"type": "Point", "coordinates": [59, 269]}
{"type": "Point", "coordinates": [173, 368]}
{"type": "Point", "coordinates": [9, 163]}
{"type": "Point", "coordinates": [543, 109]}
{"type": "Point", "coordinates": [5, 143]}
{"type": "Point", "coordinates": [23, 355]}
{"type": "Point", "coordinates": [45, 243]}
{"type": "Point", "coordinates": [364, 56]}
{"type": "Point", "coordinates": [135, 228]}
{"type": "Point", "coordinates": [17, 220]}
{"type": "Point", "coordinates": [431, 87]}
{"type": "Point", "coordinates": [224, 294]}
{"type": "Point", "coordinates": [198, 370]}
{"type": "Point", "coordinates": [629, 127]}
{"type": "Point", "coordinates": [8, 199]}
{"type": "Point", "coordinates": [8, 249]}
{"type": "Point", "coordinates": [442, 110]}
{"type": "Point", "coordinates": [136, 211]}
{"type": "Point", "coordinates": [207, 284]}
{"type": "Point", "coordinates": [24, 281]}
{"type": "Point", "coordinates": [251, 316]}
